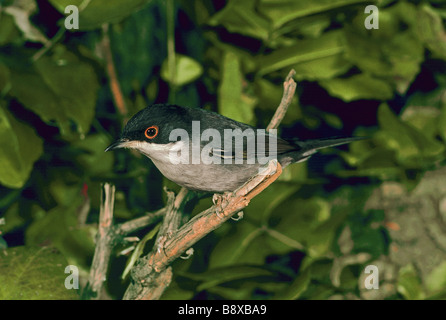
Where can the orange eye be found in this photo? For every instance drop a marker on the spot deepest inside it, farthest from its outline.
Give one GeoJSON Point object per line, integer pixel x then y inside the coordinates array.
{"type": "Point", "coordinates": [151, 132]}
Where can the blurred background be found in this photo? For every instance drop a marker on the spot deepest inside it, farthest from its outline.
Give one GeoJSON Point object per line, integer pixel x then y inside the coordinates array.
{"type": "Point", "coordinates": [66, 92]}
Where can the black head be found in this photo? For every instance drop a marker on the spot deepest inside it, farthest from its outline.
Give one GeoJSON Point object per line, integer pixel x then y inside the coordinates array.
{"type": "Point", "coordinates": [153, 124]}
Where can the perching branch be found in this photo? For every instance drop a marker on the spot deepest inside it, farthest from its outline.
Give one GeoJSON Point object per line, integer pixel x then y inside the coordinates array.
{"type": "Point", "coordinates": [152, 274]}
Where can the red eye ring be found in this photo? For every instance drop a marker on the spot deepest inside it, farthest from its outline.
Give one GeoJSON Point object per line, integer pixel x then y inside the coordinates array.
{"type": "Point", "coordinates": [151, 132]}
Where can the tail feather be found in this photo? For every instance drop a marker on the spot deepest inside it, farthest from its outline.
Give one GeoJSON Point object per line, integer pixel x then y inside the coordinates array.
{"type": "Point", "coordinates": [317, 144]}
{"type": "Point", "coordinates": [305, 149]}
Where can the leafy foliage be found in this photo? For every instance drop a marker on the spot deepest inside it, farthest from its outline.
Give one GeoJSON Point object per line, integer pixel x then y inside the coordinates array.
{"type": "Point", "coordinates": [29, 273]}
{"type": "Point", "coordinates": [309, 235]}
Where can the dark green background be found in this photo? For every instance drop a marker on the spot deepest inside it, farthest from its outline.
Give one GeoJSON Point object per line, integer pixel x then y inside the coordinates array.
{"type": "Point", "coordinates": [308, 236]}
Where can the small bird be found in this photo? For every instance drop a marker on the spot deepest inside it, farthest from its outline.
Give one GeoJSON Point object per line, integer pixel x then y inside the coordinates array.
{"type": "Point", "coordinates": [204, 151]}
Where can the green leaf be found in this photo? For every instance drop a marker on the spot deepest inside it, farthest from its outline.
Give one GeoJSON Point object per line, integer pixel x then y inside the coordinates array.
{"type": "Point", "coordinates": [8, 30]}
{"type": "Point", "coordinates": [60, 227]}
{"type": "Point", "coordinates": [130, 41]}
{"type": "Point", "coordinates": [436, 280]}
{"type": "Point", "coordinates": [424, 119]}
{"type": "Point", "coordinates": [431, 30]}
{"type": "Point", "coordinates": [330, 44]}
{"type": "Point", "coordinates": [366, 237]}
{"type": "Point", "coordinates": [283, 11]}
{"type": "Point", "coordinates": [58, 88]}
{"type": "Point", "coordinates": [308, 222]}
{"type": "Point", "coordinates": [296, 288]}
{"type": "Point", "coordinates": [176, 292]}
{"type": "Point", "coordinates": [232, 102]}
{"type": "Point", "coordinates": [261, 208]}
{"type": "Point", "coordinates": [98, 12]}
{"type": "Point", "coordinates": [379, 162]}
{"type": "Point", "coordinates": [244, 292]}
{"type": "Point", "coordinates": [356, 87]}
{"type": "Point", "coordinates": [410, 144]}
{"type": "Point", "coordinates": [242, 17]}
{"type": "Point", "coordinates": [237, 246]}
{"type": "Point", "coordinates": [306, 27]}
{"type": "Point", "coordinates": [441, 125]}
{"type": "Point", "coordinates": [12, 218]}
{"type": "Point", "coordinates": [248, 241]}
{"type": "Point", "coordinates": [409, 283]}
{"type": "Point", "coordinates": [95, 161]}
{"type": "Point", "coordinates": [20, 147]}
{"type": "Point", "coordinates": [217, 276]}
{"type": "Point", "coordinates": [392, 52]}
{"type": "Point", "coordinates": [186, 70]}
{"type": "Point", "coordinates": [33, 273]}
{"type": "Point", "coordinates": [5, 83]}
{"type": "Point", "coordinates": [322, 68]}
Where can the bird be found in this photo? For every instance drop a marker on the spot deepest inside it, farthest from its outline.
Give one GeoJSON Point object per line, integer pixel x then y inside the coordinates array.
{"type": "Point", "coordinates": [204, 151]}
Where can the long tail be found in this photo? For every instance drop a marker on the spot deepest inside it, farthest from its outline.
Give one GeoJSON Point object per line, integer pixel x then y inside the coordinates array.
{"type": "Point", "coordinates": [316, 144]}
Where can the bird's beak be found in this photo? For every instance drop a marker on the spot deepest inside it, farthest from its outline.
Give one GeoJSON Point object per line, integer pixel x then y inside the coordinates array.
{"type": "Point", "coordinates": [121, 143]}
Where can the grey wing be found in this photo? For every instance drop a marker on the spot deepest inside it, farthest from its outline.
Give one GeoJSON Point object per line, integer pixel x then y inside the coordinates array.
{"type": "Point", "coordinates": [250, 149]}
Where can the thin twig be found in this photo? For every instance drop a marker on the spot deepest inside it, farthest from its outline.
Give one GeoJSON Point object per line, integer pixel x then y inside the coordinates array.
{"type": "Point", "coordinates": [49, 44]}
{"type": "Point", "coordinates": [289, 88]}
{"type": "Point", "coordinates": [115, 87]}
{"type": "Point", "coordinates": [140, 222]}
